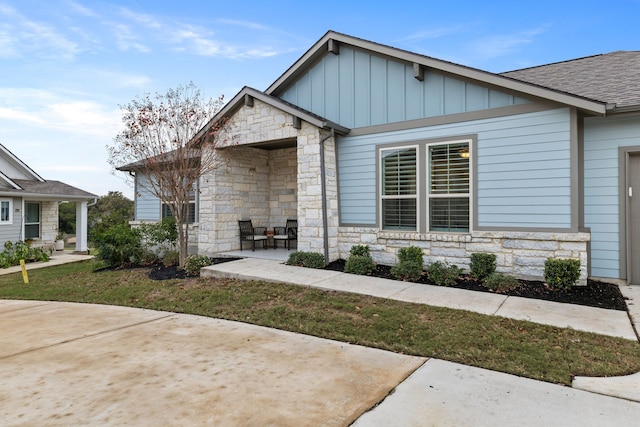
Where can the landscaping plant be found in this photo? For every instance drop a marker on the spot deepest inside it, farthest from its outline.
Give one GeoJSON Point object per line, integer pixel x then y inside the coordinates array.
{"type": "Point", "coordinates": [119, 245]}
{"type": "Point", "coordinates": [482, 265]}
{"type": "Point", "coordinates": [501, 282]}
{"type": "Point", "coordinates": [443, 274]}
{"type": "Point", "coordinates": [14, 252]}
{"type": "Point", "coordinates": [306, 259]}
{"type": "Point", "coordinates": [359, 261]}
{"type": "Point", "coordinates": [561, 273]}
{"type": "Point", "coordinates": [194, 263]}
{"type": "Point", "coordinates": [410, 263]}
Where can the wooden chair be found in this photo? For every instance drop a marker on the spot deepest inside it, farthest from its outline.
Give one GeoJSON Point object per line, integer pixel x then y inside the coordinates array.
{"type": "Point", "coordinates": [286, 234]}
{"type": "Point", "coordinates": [249, 233]}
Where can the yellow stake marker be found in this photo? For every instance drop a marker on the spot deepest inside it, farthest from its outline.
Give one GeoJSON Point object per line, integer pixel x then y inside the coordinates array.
{"type": "Point", "coordinates": [25, 276]}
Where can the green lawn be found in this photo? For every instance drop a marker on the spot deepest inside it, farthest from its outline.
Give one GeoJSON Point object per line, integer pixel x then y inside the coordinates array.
{"type": "Point", "coordinates": [527, 349]}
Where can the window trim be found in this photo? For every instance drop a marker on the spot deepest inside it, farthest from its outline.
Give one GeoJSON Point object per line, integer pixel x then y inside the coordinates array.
{"type": "Point", "coordinates": [9, 221]}
{"type": "Point", "coordinates": [423, 171]}
{"type": "Point", "coordinates": [382, 197]}
{"type": "Point", "coordinates": [39, 223]}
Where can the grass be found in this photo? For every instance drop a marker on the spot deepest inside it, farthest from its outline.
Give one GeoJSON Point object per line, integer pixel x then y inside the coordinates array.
{"type": "Point", "coordinates": [522, 348]}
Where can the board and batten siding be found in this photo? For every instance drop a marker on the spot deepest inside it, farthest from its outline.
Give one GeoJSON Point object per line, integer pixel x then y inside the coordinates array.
{"type": "Point", "coordinates": [602, 138]}
{"type": "Point", "coordinates": [147, 204]}
{"type": "Point", "coordinates": [358, 89]}
{"type": "Point", "coordinates": [523, 169]}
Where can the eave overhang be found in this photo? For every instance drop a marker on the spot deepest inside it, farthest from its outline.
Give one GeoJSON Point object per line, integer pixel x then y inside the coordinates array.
{"type": "Point", "coordinates": [321, 48]}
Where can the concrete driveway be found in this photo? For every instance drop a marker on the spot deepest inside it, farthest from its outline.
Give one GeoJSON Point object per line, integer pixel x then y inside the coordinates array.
{"type": "Point", "coordinates": [82, 364]}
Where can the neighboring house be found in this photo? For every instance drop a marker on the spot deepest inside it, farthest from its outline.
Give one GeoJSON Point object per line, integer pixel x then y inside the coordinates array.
{"type": "Point", "coordinates": [368, 144]}
{"type": "Point", "coordinates": [29, 205]}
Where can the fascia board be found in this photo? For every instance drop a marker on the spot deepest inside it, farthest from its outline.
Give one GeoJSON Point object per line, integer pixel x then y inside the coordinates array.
{"type": "Point", "coordinates": [320, 48]}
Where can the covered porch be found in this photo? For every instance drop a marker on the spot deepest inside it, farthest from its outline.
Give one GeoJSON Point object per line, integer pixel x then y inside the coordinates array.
{"type": "Point", "coordinates": [277, 163]}
{"type": "Point", "coordinates": [33, 212]}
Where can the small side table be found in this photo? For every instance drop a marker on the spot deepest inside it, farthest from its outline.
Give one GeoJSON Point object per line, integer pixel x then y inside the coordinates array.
{"type": "Point", "coordinates": [270, 240]}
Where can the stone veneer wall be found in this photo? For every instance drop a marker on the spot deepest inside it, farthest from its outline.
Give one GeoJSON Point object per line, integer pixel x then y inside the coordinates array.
{"type": "Point", "coordinates": [267, 186]}
{"type": "Point", "coordinates": [48, 221]}
{"type": "Point", "coordinates": [521, 254]}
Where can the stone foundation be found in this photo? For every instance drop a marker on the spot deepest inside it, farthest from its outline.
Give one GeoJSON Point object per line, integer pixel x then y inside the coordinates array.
{"type": "Point", "coordinates": [520, 254]}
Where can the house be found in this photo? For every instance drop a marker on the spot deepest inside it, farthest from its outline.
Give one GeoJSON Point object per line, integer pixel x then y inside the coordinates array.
{"type": "Point", "coordinates": [29, 204]}
{"type": "Point", "coordinates": [368, 144]}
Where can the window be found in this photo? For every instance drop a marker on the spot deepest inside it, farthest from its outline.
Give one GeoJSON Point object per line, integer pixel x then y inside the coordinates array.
{"type": "Point", "coordinates": [6, 206]}
{"type": "Point", "coordinates": [447, 191]}
{"type": "Point", "coordinates": [190, 215]}
{"type": "Point", "coordinates": [449, 187]}
{"type": "Point", "coordinates": [399, 188]}
{"type": "Point", "coordinates": [32, 220]}
{"type": "Point", "coordinates": [166, 212]}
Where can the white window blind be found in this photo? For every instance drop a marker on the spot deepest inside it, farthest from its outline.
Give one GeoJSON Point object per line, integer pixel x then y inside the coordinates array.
{"type": "Point", "coordinates": [399, 189]}
{"type": "Point", "coordinates": [449, 187]}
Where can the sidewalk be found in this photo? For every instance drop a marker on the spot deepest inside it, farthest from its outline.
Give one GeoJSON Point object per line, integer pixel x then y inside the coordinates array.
{"type": "Point", "coordinates": [600, 321]}
{"type": "Point", "coordinates": [67, 364]}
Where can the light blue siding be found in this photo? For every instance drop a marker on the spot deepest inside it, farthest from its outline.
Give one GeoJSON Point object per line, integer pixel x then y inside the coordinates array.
{"type": "Point", "coordinates": [602, 138]}
{"type": "Point", "coordinates": [357, 89]}
{"type": "Point", "coordinates": [147, 204]}
{"type": "Point", "coordinates": [523, 169]}
{"type": "Point", "coordinates": [13, 232]}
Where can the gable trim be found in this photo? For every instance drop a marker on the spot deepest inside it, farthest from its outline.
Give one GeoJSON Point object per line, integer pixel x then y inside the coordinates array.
{"type": "Point", "coordinates": [9, 181]}
{"type": "Point", "coordinates": [240, 100]}
{"type": "Point", "coordinates": [321, 48]}
{"type": "Point", "coordinates": [21, 164]}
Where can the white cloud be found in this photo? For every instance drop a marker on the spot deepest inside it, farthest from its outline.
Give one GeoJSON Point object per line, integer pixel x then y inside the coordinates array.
{"type": "Point", "coordinates": [502, 45]}
{"type": "Point", "coordinates": [47, 110]}
{"type": "Point", "coordinates": [433, 33]}
{"type": "Point", "coordinates": [20, 36]}
{"type": "Point", "coordinates": [127, 40]}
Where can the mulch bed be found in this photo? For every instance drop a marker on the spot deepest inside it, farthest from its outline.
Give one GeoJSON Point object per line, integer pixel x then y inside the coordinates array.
{"type": "Point", "coordinates": [161, 272]}
{"type": "Point", "coordinates": [595, 294]}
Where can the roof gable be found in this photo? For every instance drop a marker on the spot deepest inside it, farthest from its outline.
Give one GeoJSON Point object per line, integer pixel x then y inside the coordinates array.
{"type": "Point", "coordinates": [359, 89]}
{"type": "Point", "coordinates": [331, 44]}
{"type": "Point", "coordinates": [14, 168]}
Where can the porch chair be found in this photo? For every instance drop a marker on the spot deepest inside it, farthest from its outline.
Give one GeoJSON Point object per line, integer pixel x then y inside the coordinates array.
{"type": "Point", "coordinates": [286, 234]}
{"type": "Point", "coordinates": [249, 233]}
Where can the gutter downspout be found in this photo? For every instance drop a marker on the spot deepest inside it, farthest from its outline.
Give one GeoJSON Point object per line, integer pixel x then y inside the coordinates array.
{"type": "Point", "coordinates": [323, 186]}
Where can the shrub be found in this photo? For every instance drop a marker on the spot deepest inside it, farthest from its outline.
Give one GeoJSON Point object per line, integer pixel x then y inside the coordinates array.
{"type": "Point", "coordinates": [171, 258]}
{"type": "Point", "coordinates": [408, 270]}
{"type": "Point", "coordinates": [443, 274]}
{"type": "Point", "coordinates": [360, 250]}
{"type": "Point", "coordinates": [159, 237]}
{"type": "Point", "coordinates": [561, 273]}
{"type": "Point", "coordinates": [194, 263]}
{"type": "Point", "coordinates": [14, 252]}
{"type": "Point", "coordinates": [482, 265]}
{"type": "Point", "coordinates": [411, 253]}
{"type": "Point", "coordinates": [306, 259]}
{"type": "Point", "coordinates": [501, 282]}
{"type": "Point", "coordinates": [359, 264]}
{"type": "Point", "coordinates": [119, 245]}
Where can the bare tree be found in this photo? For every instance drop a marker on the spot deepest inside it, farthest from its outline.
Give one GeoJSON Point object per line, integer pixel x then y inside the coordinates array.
{"type": "Point", "coordinates": [165, 141]}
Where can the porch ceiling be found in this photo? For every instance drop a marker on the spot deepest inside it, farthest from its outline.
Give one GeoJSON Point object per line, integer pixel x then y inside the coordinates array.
{"type": "Point", "coordinates": [274, 144]}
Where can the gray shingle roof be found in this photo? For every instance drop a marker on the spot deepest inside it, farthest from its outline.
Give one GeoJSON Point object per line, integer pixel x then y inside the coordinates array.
{"type": "Point", "coordinates": [50, 189]}
{"type": "Point", "coordinates": [612, 78]}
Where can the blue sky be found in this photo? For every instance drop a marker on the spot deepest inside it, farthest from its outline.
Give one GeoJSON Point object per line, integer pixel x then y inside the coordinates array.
{"type": "Point", "coordinates": [67, 65]}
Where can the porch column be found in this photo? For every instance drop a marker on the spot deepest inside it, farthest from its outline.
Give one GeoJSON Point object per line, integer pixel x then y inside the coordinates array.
{"type": "Point", "coordinates": [81, 228]}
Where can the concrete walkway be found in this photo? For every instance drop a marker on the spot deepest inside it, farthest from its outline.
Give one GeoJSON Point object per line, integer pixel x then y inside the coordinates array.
{"type": "Point", "coordinates": [82, 364]}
